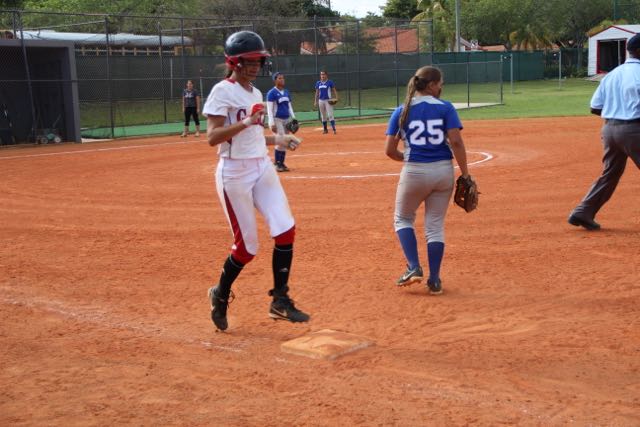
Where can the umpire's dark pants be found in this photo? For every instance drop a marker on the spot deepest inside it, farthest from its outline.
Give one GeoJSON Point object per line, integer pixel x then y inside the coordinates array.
{"type": "Point", "coordinates": [620, 139]}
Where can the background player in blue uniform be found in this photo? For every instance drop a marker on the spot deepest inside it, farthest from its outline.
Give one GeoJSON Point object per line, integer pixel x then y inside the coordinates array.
{"type": "Point", "coordinates": [279, 111]}
{"type": "Point", "coordinates": [430, 129]}
{"type": "Point", "coordinates": [324, 89]}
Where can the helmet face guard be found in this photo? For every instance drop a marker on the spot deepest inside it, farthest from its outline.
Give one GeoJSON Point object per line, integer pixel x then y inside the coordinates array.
{"type": "Point", "coordinates": [235, 62]}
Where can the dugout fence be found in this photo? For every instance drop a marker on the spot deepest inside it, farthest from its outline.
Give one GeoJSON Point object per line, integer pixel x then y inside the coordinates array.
{"type": "Point", "coordinates": [130, 70]}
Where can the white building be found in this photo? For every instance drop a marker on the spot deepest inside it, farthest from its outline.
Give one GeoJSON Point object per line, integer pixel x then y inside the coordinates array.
{"type": "Point", "coordinates": [608, 48]}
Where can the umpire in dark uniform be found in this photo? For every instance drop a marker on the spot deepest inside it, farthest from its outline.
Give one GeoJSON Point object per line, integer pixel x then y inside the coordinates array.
{"type": "Point", "coordinates": [617, 100]}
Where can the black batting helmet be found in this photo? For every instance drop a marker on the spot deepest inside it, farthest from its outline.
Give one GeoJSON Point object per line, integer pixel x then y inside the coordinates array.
{"type": "Point", "coordinates": [244, 44]}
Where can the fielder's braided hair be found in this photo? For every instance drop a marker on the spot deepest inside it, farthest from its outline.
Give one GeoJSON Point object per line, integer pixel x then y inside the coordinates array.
{"type": "Point", "coordinates": [418, 82]}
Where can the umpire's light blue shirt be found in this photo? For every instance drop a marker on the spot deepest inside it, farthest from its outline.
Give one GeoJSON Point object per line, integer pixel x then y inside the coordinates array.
{"type": "Point", "coordinates": [618, 95]}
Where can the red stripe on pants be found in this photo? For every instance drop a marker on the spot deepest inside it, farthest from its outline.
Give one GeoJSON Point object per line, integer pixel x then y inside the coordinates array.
{"type": "Point", "coordinates": [239, 251]}
{"type": "Point", "coordinates": [287, 237]}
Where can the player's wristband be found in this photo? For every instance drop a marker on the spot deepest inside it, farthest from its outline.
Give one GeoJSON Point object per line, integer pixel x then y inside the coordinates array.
{"type": "Point", "coordinates": [247, 122]}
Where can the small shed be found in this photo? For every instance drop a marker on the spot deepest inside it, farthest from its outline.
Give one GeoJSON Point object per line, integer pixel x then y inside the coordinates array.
{"type": "Point", "coordinates": [608, 48]}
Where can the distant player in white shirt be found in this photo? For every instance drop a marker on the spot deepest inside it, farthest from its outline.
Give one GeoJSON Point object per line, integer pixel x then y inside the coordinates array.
{"type": "Point", "coordinates": [246, 179]}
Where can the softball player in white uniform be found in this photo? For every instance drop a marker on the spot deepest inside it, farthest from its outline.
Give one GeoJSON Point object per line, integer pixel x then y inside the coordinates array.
{"type": "Point", "coordinates": [246, 179]}
{"type": "Point", "coordinates": [324, 86]}
{"type": "Point", "coordinates": [430, 129]}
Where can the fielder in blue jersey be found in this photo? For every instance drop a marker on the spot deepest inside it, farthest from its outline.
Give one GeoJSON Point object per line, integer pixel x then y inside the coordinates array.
{"type": "Point", "coordinates": [430, 130]}
{"type": "Point", "coordinates": [326, 96]}
{"type": "Point", "coordinates": [279, 112]}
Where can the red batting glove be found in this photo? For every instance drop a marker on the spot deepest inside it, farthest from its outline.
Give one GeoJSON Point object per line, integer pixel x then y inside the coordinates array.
{"type": "Point", "coordinates": [256, 114]}
{"type": "Point", "coordinates": [258, 109]}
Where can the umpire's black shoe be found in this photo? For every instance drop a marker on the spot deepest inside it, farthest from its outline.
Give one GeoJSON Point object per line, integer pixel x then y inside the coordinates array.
{"type": "Point", "coordinates": [434, 287]}
{"type": "Point", "coordinates": [219, 308]}
{"type": "Point", "coordinates": [412, 275]}
{"type": "Point", "coordinates": [282, 308]}
{"type": "Point", "coordinates": [589, 224]}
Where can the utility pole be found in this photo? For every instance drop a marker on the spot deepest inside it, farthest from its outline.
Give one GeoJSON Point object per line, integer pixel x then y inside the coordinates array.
{"type": "Point", "coordinates": [457, 25]}
{"type": "Point", "coordinates": [560, 67]}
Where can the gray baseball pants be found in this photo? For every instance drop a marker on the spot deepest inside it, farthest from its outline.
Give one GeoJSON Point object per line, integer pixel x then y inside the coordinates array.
{"type": "Point", "coordinates": [431, 183]}
{"type": "Point", "coordinates": [620, 139]}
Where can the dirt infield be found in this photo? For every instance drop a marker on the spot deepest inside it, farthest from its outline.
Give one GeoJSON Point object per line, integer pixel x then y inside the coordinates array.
{"type": "Point", "coordinates": [108, 249]}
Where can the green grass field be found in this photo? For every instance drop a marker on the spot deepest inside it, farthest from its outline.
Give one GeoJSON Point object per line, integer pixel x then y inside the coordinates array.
{"type": "Point", "coordinates": [539, 98]}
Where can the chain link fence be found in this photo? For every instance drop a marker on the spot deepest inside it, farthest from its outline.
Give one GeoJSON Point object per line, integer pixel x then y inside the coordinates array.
{"type": "Point", "coordinates": [130, 70]}
{"type": "Point", "coordinates": [566, 62]}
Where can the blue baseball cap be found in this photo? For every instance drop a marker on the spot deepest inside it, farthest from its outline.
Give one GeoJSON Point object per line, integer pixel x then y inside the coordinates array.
{"type": "Point", "coordinates": [275, 75]}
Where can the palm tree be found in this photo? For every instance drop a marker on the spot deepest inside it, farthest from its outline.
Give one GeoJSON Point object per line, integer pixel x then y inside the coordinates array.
{"type": "Point", "coordinates": [529, 38]}
{"type": "Point", "coordinates": [442, 14]}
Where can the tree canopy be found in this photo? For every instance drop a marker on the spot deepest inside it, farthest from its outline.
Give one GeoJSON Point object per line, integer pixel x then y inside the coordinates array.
{"type": "Point", "coordinates": [513, 23]}
{"type": "Point", "coordinates": [187, 8]}
{"type": "Point", "coordinates": [401, 9]}
{"type": "Point", "coordinates": [528, 24]}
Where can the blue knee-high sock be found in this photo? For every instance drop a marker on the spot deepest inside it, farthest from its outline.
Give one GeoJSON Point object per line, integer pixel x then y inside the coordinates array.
{"type": "Point", "coordinates": [324, 125]}
{"type": "Point", "coordinates": [279, 156]}
{"type": "Point", "coordinates": [333, 124]}
{"type": "Point", "coordinates": [435, 252]}
{"type": "Point", "coordinates": [407, 237]}
{"type": "Point", "coordinates": [283, 154]}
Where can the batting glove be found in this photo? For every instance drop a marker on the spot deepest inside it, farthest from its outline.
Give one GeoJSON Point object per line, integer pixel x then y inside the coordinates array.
{"type": "Point", "coordinates": [288, 142]}
{"type": "Point", "coordinates": [255, 116]}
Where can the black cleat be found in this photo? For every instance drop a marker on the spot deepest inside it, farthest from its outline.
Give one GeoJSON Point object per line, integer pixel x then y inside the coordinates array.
{"type": "Point", "coordinates": [435, 287]}
{"type": "Point", "coordinates": [325, 131]}
{"type": "Point", "coordinates": [281, 167]}
{"type": "Point", "coordinates": [589, 224]}
{"type": "Point", "coordinates": [219, 308]}
{"type": "Point", "coordinates": [411, 276]}
{"type": "Point", "coordinates": [282, 308]}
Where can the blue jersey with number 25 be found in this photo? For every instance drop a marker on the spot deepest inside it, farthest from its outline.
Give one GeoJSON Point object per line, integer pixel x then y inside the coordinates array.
{"type": "Point", "coordinates": [425, 130]}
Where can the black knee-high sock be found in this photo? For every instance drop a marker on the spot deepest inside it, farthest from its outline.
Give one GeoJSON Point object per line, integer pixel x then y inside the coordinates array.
{"type": "Point", "coordinates": [281, 264]}
{"type": "Point", "coordinates": [230, 271]}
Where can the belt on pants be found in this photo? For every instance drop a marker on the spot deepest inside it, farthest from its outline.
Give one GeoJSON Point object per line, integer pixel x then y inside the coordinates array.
{"type": "Point", "coordinates": [621, 122]}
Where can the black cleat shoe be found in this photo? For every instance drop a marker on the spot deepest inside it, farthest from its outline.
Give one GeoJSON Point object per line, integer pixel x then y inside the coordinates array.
{"type": "Point", "coordinates": [411, 276]}
{"type": "Point", "coordinates": [282, 308]}
{"type": "Point", "coordinates": [435, 288]}
{"type": "Point", "coordinates": [589, 224]}
{"type": "Point", "coordinates": [334, 131]}
{"type": "Point", "coordinates": [325, 131]}
{"type": "Point", "coordinates": [281, 167]}
{"type": "Point", "coordinates": [219, 308]}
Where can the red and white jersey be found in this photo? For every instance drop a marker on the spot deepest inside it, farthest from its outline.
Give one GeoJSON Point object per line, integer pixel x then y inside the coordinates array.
{"type": "Point", "coordinates": [228, 98]}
